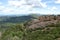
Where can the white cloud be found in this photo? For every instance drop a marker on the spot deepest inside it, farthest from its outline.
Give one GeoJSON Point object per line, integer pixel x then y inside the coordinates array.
{"type": "Point", "coordinates": [44, 5]}
{"type": "Point", "coordinates": [27, 2]}
{"type": "Point", "coordinates": [16, 3]}
{"type": "Point", "coordinates": [53, 8]}
{"type": "Point", "coordinates": [37, 3]}
{"type": "Point", "coordinates": [8, 10]}
{"type": "Point", "coordinates": [22, 6]}
{"type": "Point", "coordinates": [1, 8]}
{"type": "Point", "coordinates": [57, 1]}
{"type": "Point", "coordinates": [24, 9]}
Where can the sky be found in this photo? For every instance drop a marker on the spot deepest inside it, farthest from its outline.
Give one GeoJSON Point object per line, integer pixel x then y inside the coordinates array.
{"type": "Point", "coordinates": [24, 7]}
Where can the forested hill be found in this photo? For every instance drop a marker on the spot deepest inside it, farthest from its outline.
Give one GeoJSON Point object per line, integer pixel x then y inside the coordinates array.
{"type": "Point", "coordinates": [15, 19]}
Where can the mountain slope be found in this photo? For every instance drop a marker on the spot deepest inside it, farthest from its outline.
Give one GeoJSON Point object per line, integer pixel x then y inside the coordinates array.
{"type": "Point", "coordinates": [15, 19]}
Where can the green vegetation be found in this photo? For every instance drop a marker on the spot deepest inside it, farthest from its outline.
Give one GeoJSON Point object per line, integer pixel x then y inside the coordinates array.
{"type": "Point", "coordinates": [15, 19]}
{"type": "Point", "coordinates": [17, 28]}
{"type": "Point", "coordinates": [20, 32]}
{"type": "Point", "coordinates": [13, 31]}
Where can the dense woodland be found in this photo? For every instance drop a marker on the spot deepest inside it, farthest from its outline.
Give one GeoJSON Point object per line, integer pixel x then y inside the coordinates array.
{"type": "Point", "coordinates": [17, 28]}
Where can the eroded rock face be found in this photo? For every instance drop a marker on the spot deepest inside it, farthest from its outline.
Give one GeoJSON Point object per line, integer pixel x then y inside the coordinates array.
{"type": "Point", "coordinates": [43, 21]}
{"type": "Point", "coordinates": [42, 24]}
{"type": "Point", "coordinates": [47, 18]}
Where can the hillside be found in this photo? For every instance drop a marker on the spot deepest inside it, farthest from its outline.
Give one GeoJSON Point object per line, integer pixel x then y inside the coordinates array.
{"type": "Point", "coordinates": [43, 21]}
{"type": "Point", "coordinates": [41, 28]}
{"type": "Point", "coordinates": [15, 19]}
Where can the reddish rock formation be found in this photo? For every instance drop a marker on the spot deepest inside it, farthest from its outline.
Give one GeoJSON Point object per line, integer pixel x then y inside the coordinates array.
{"type": "Point", "coordinates": [43, 21]}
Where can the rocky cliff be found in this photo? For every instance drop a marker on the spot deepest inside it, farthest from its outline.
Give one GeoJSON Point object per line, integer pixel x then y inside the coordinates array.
{"type": "Point", "coordinates": [43, 21]}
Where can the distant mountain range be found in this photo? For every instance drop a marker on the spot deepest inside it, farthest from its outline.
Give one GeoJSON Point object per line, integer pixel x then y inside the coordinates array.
{"type": "Point", "coordinates": [17, 19]}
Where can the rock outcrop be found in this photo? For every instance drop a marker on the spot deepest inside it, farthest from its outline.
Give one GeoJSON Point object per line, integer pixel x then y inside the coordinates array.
{"type": "Point", "coordinates": [43, 21]}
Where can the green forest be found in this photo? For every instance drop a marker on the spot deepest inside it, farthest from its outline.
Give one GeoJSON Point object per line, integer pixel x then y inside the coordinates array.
{"type": "Point", "coordinates": [20, 32]}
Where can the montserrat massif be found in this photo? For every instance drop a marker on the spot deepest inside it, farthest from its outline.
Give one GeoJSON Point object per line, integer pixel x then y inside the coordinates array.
{"type": "Point", "coordinates": [43, 21]}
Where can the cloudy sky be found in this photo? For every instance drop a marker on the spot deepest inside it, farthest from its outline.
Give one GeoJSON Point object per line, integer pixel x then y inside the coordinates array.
{"type": "Point", "coordinates": [18, 7]}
